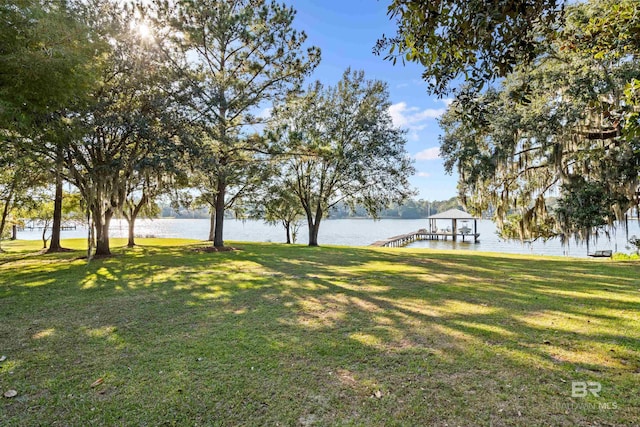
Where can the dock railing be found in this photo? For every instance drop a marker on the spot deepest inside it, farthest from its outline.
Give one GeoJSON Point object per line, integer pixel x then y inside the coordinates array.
{"type": "Point", "coordinates": [422, 234]}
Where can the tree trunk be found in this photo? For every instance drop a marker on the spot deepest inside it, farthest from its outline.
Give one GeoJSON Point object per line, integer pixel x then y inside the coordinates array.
{"type": "Point", "coordinates": [44, 236]}
{"type": "Point", "coordinates": [5, 213]}
{"type": "Point", "coordinates": [295, 226]}
{"type": "Point", "coordinates": [132, 240]}
{"type": "Point", "coordinates": [287, 226]}
{"type": "Point", "coordinates": [313, 233]}
{"type": "Point", "coordinates": [5, 210]}
{"type": "Point", "coordinates": [131, 220]}
{"type": "Point", "coordinates": [14, 232]}
{"type": "Point", "coordinates": [218, 240]}
{"type": "Point", "coordinates": [102, 233]}
{"type": "Point", "coordinates": [90, 236]}
{"type": "Point", "coordinates": [55, 245]}
{"type": "Point", "coordinates": [102, 240]}
{"type": "Point", "coordinates": [212, 224]}
{"type": "Point", "coordinates": [314, 227]}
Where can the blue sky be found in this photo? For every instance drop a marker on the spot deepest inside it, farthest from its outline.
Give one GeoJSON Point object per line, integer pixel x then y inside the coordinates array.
{"type": "Point", "coordinates": [346, 32]}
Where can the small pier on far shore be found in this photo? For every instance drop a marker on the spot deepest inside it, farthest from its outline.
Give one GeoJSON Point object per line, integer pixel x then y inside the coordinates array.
{"type": "Point", "coordinates": [34, 227]}
{"type": "Point", "coordinates": [453, 232]}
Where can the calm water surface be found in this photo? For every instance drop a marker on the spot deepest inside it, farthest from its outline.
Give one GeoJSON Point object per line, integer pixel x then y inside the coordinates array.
{"type": "Point", "coordinates": [354, 232]}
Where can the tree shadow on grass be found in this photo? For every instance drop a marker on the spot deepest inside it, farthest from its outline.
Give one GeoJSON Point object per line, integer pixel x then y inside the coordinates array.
{"type": "Point", "coordinates": [326, 335]}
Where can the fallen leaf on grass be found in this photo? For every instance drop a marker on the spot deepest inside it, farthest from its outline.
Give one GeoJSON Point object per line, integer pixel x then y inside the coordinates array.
{"type": "Point", "coordinates": [97, 382]}
{"type": "Point", "coordinates": [10, 393]}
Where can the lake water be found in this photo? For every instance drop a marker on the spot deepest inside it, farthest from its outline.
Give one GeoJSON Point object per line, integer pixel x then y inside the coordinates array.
{"type": "Point", "coordinates": [354, 232]}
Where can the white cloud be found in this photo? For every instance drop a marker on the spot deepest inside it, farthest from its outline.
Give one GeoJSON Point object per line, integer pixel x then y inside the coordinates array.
{"type": "Point", "coordinates": [432, 153]}
{"type": "Point", "coordinates": [397, 114]}
{"type": "Point", "coordinates": [413, 136]}
{"type": "Point", "coordinates": [265, 113]}
{"type": "Point", "coordinates": [423, 174]}
{"type": "Point", "coordinates": [412, 118]}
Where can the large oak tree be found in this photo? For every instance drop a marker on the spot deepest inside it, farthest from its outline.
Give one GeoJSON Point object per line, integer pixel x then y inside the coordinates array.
{"type": "Point", "coordinates": [129, 123]}
{"type": "Point", "coordinates": [479, 40]}
{"type": "Point", "coordinates": [568, 135]}
{"type": "Point", "coordinates": [46, 65]}
{"type": "Point", "coordinates": [338, 144]}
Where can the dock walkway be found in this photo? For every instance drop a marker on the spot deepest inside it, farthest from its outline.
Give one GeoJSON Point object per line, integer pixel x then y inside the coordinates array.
{"type": "Point", "coordinates": [422, 234]}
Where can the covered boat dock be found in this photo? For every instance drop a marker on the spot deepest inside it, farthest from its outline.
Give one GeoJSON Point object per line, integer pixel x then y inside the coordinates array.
{"type": "Point", "coordinates": [454, 231]}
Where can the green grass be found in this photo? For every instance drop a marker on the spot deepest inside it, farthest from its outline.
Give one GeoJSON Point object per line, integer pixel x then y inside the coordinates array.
{"type": "Point", "coordinates": [290, 335]}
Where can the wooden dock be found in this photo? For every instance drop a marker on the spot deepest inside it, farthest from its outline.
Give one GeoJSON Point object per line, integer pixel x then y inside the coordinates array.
{"type": "Point", "coordinates": [405, 239]}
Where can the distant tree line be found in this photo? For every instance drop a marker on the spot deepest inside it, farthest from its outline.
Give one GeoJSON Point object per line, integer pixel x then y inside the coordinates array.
{"type": "Point", "coordinates": [410, 209]}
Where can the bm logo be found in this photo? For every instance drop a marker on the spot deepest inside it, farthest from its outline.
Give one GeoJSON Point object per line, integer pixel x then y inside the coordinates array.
{"type": "Point", "coordinates": [583, 388]}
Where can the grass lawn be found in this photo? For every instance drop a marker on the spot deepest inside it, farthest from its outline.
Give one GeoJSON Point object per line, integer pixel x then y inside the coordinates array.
{"type": "Point", "coordinates": [290, 335]}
